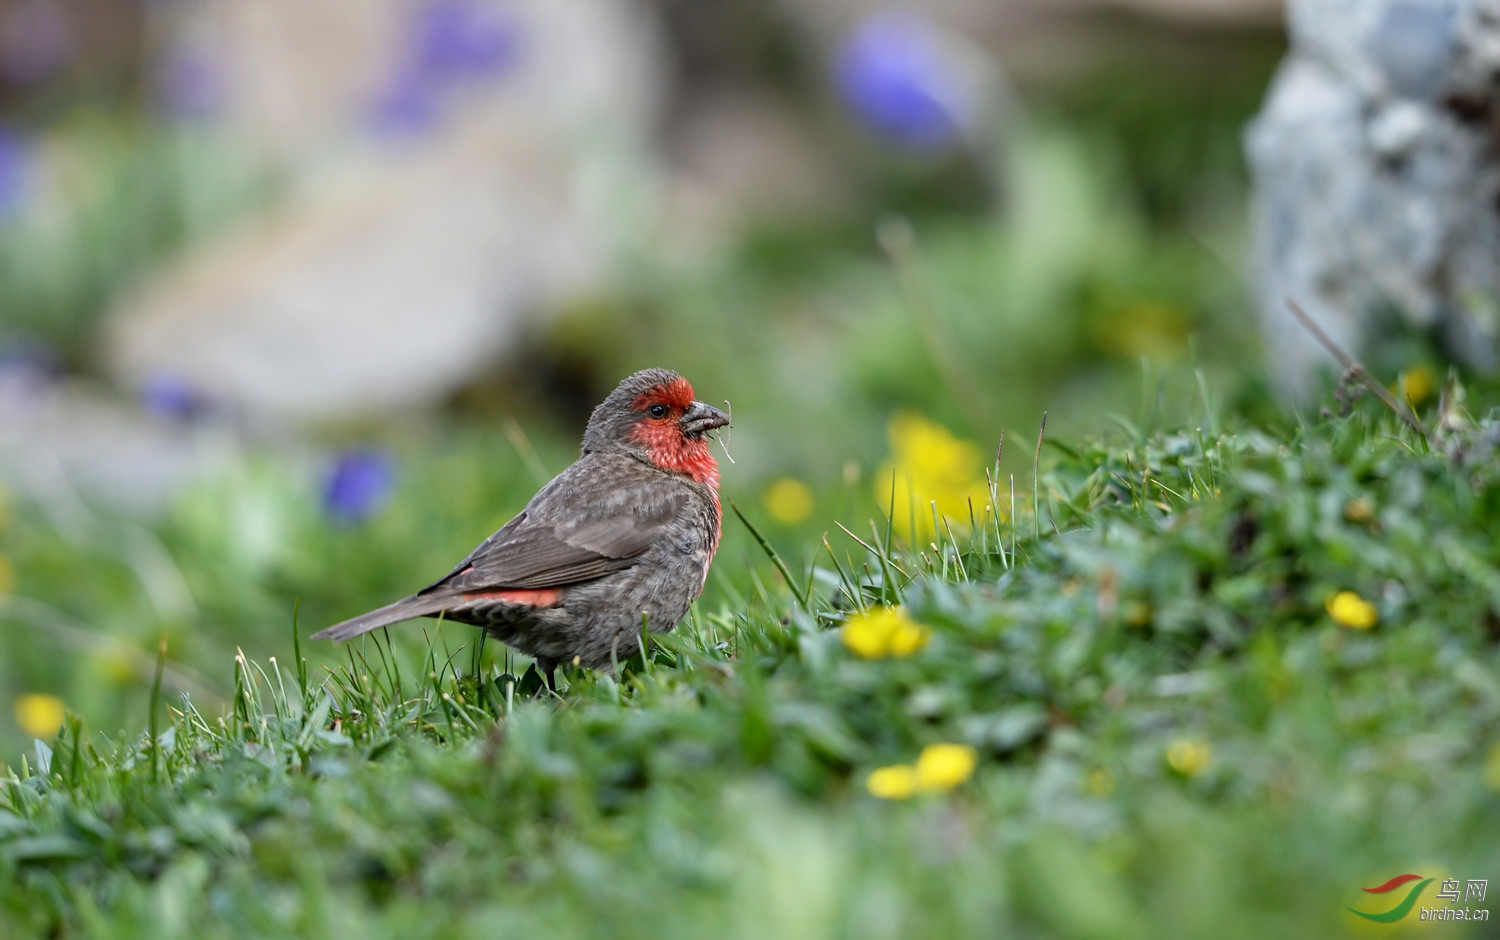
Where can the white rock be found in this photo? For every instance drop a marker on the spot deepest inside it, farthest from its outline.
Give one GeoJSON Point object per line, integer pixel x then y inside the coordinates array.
{"type": "Point", "coordinates": [67, 445]}
{"type": "Point", "coordinates": [1374, 187]}
{"type": "Point", "coordinates": [1397, 128]}
{"type": "Point", "coordinates": [739, 157]}
{"type": "Point", "coordinates": [392, 273]}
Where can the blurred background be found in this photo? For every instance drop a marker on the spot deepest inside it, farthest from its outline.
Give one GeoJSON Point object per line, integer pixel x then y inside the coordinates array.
{"type": "Point", "coordinates": [300, 299]}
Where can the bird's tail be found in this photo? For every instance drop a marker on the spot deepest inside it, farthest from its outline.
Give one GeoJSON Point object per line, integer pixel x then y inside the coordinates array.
{"type": "Point", "coordinates": [404, 609]}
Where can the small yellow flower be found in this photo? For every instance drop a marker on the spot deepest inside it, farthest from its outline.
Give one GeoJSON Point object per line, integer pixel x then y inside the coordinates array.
{"type": "Point", "coordinates": [1143, 328]}
{"type": "Point", "coordinates": [789, 501]}
{"type": "Point", "coordinates": [116, 665]}
{"type": "Point", "coordinates": [929, 466]}
{"type": "Point", "coordinates": [1137, 614]}
{"type": "Point", "coordinates": [1348, 609]}
{"type": "Point", "coordinates": [40, 715]}
{"type": "Point", "coordinates": [1492, 768]}
{"type": "Point", "coordinates": [7, 575]}
{"type": "Point", "coordinates": [1359, 511]}
{"type": "Point", "coordinates": [941, 767]}
{"type": "Point", "coordinates": [1100, 783]}
{"type": "Point", "coordinates": [883, 631]}
{"type": "Point", "coordinates": [1417, 384]}
{"type": "Point", "coordinates": [1188, 757]}
{"type": "Point", "coordinates": [907, 638]}
{"type": "Point", "coordinates": [897, 782]}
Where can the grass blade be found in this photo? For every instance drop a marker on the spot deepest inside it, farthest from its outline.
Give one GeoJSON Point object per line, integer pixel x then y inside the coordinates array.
{"type": "Point", "coordinates": [776, 560]}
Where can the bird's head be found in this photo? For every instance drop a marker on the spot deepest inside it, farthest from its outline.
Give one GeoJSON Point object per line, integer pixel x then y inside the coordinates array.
{"type": "Point", "coordinates": [653, 415]}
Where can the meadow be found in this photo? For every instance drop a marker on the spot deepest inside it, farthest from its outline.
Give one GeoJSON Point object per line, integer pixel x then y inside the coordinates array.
{"type": "Point", "coordinates": [1200, 680]}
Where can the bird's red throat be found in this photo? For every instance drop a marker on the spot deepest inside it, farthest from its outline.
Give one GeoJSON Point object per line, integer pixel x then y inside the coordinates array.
{"type": "Point", "coordinates": [670, 449]}
{"type": "Point", "coordinates": [666, 445]}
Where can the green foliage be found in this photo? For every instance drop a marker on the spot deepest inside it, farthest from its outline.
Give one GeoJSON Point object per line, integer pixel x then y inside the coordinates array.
{"type": "Point", "coordinates": [121, 195]}
{"type": "Point", "coordinates": [1174, 598]}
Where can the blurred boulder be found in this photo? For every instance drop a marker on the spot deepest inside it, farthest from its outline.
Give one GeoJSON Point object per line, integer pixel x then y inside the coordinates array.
{"type": "Point", "coordinates": [65, 439]}
{"type": "Point", "coordinates": [454, 166]}
{"type": "Point", "coordinates": [739, 156]}
{"type": "Point", "coordinates": [297, 77]}
{"type": "Point", "coordinates": [1376, 174]}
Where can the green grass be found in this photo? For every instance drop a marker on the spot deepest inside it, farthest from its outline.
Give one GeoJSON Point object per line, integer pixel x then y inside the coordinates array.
{"type": "Point", "coordinates": [1175, 593]}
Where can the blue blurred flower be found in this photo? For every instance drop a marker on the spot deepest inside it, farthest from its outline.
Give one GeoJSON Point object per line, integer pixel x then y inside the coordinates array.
{"type": "Point", "coordinates": [463, 38]}
{"type": "Point", "coordinates": [14, 172]}
{"type": "Point", "coordinates": [170, 396]}
{"type": "Point", "coordinates": [407, 105]}
{"type": "Point", "coordinates": [892, 72]}
{"type": "Point", "coordinates": [189, 83]}
{"type": "Point", "coordinates": [358, 484]}
{"type": "Point", "coordinates": [447, 42]}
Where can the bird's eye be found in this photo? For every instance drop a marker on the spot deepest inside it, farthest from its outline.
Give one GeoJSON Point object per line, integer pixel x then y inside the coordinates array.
{"type": "Point", "coordinates": [657, 410]}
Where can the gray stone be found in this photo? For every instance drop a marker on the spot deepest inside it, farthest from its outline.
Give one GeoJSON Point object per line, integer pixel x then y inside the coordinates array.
{"type": "Point", "coordinates": [67, 445]}
{"type": "Point", "coordinates": [739, 157]}
{"type": "Point", "coordinates": [1376, 178]}
{"type": "Point", "coordinates": [1412, 44]}
{"type": "Point", "coordinates": [399, 264]}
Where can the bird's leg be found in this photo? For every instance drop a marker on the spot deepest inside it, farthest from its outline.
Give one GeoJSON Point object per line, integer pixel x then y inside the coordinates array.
{"type": "Point", "coordinates": [547, 666]}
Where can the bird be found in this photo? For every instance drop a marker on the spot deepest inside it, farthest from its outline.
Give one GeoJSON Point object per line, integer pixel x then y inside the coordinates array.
{"type": "Point", "coordinates": [620, 539]}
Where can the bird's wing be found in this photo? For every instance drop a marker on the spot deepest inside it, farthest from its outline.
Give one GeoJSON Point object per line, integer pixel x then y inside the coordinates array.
{"type": "Point", "coordinates": [595, 518]}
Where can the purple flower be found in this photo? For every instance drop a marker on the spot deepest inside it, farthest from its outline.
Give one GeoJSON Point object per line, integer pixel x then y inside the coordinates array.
{"type": "Point", "coordinates": [462, 38]}
{"type": "Point", "coordinates": [892, 72]}
{"type": "Point", "coordinates": [358, 484]}
{"type": "Point", "coordinates": [408, 105]}
{"type": "Point", "coordinates": [14, 173]}
{"type": "Point", "coordinates": [189, 83]}
{"type": "Point", "coordinates": [170, 396]}
{"type": "Point", "coordinates": [447, 42]}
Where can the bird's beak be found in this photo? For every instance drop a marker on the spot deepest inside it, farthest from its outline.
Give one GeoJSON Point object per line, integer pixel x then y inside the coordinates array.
{"type": "Point", "coordinates": [700, 418]}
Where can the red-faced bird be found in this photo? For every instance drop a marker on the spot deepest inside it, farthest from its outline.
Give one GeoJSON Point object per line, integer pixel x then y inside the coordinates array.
{"type": "Point", "coordinates": [626, 532]}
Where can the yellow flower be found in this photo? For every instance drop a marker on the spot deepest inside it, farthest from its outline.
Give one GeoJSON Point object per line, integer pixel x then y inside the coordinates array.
{"type": "Point", "coordinates": [116, 665]}
{"type": "Point", "coordinates": [883, 631]}
{"type": "Point", "coordinates": [1348, 609]}
{"type": "Point", "coordinates": [907, 638]}
{"type": "Point", "coordinates": [40, 715]}
{"type": "Point", "coordinates": [7, 575]}
{"type": "Point", "coordinates": [1492, 768]}
{"type": "Point", "coordinates": [930, 466]}
{"type": "Point", "coordinates": [1188, 757]}
{"type": "Point", "coordinates": [1142, 327]}
{"type": "Point", "coordinates": [789, 501]}
{"type": "Point", "coordinates": [898, 782]}
{"type": "Point", "coordinates": [1100, 783]}
{"type": "Point", "coordinates": [1359, 511]}
{"type": "Point", "coordinates": [1417, 383]}
{"type": "Point", "coordinates": [941, 767]}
